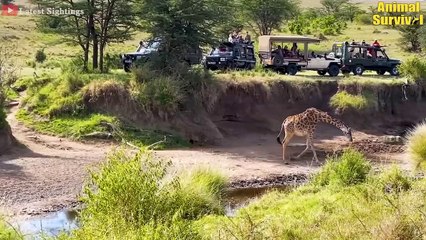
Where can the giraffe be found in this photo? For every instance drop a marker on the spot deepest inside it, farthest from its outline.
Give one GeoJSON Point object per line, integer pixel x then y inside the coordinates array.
{"type": "Point", "coordinates": [304, 124]}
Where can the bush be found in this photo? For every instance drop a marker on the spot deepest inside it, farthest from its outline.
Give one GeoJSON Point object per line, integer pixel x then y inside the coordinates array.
{"type": "Point", "coordinates": [40, 56]}
{"type": "Point", "coordinates": [349, 169]}
{"type": "Point", "coordinates": [414, 69]}
{"type": "Point", "coordinates": [416, 145]}
{"type": "Point", "coordinates": [163, 93]}
{"type": "Point", "coordinates": [364, 19]}
{"type": "Point", "coordinates": [344, 100]}
{"type": "Point", "coordinates": [134, 196]}
{"type": "Point", "coordinates": [394, 180]}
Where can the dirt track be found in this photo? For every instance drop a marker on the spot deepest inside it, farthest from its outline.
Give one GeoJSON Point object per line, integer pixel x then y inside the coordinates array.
{"type": "Point", "coordinates": [46, 173]}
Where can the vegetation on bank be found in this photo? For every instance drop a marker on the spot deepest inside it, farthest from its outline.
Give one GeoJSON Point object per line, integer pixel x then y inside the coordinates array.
{"type": "Point", "coordinates": [55, 105]}
{"type": "Point", "coordinates": [416, 145]}
{"type": "Point", "coordinates": [138, 197]}
{"type": "Point", "coordinates": [143, 197]}
{"type": "Point", "coordinates": [7, 232]}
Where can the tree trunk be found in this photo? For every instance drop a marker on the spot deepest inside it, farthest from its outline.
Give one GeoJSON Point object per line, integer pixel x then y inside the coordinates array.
{"type": "Point", "coordinates": [95, 52]}
{"type": "Point", "coordinates": [101, 56]}
{"type": "Point", "coordinates": [93, 35]}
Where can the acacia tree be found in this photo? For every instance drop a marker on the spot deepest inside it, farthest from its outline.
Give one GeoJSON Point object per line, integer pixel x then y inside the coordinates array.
{"type": "Point", "coordinates": [73, 28]}
{"type": "Point", "coordinates": [264, 16]}
{"type": "Point", "coordinates": [116, 21]}
{"type": "Point", "coordinates": [103, 22]}
{"type": "Point", "coordinates": [184, 25]}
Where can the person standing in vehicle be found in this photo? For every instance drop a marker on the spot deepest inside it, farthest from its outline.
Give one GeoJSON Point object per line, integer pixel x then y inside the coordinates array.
{"type": "Point", "coordinates": [293, 49]}
{"type": "Point", "coordinates": [376, 43]}
{"type": "Point", "coordinates": [248, 37]}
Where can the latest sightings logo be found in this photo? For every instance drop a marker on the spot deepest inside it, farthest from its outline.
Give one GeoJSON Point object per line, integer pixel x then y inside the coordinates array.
{"type": "Point", "coordinates": [9, 10]}
{"type": "Point", "coordinates": [398, 14]}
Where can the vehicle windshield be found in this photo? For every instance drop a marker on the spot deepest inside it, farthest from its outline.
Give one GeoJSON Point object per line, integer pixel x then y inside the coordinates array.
{"type": "Point", "coordinates": [148, 47]}
{"type": "Point", "coordinates": [222, 50]}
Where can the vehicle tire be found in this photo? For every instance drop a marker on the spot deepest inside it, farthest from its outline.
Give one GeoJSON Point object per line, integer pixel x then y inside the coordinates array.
{"type": "Point", "coordinates": [321, 72]}
{"type": "Point", "coordinates": [333, 70]}
{"type": "Point", "coordinates": [127, 67]}
{"type": "Point", "coordinates": [381, 72]}
{"type": "Point", "coordinates": [292, 69]}
{"type": "Point", "coordinates": [358, 70]}
{"type": "Point", "coordinates": [394, 71]}
{"type": "Point", "coordinates": [277, 61]}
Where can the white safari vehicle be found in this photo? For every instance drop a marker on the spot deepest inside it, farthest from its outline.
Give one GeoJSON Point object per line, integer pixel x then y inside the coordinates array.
{"type": "Point", "coordinates": [290, 54]}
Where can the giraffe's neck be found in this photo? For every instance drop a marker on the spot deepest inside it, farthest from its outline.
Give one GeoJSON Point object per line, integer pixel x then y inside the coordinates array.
{"type": "Point", "coordinates": [325, 118]}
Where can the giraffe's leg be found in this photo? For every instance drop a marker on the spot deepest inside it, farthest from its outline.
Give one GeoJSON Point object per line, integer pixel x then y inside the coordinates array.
{"type": "Point", "coordinates": [310, 142]}
{"type": "Point", "coordinates": [314, 152]}
{"type": "Point", "coordinates": [304, 151]}
{"type": "Point", "coordinates": [285, 143]}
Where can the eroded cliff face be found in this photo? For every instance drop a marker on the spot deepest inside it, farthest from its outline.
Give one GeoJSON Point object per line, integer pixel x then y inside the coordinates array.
{"type": "Point", "coordinates": [252, 107]}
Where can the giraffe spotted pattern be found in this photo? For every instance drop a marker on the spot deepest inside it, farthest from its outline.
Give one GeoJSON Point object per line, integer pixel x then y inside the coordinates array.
{"type": "Point", "coordinates": [303, 125]}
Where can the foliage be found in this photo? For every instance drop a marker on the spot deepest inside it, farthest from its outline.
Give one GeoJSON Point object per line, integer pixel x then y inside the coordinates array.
{"type": "Point", "coordinates": [134, 197]}
{"type": "Point", "coordinates": [101, 22]}
{"type": "Point", "coordinates": [265, 16]}
{"type": "Point", "coordinates": [394, 180]}
{"type": "Point", "coordinates": [7, 233]}
{"type": "Point", "coordinates": [3, 116]}
{"type": "Point", "coordinates": [414, 69]}
{"type": "Point", "coordinates": [349, 169]}
{"type": "Point", "coordinates": [364, 19]}
{"type": "Point", "coordinates": [183, 26]}
{"type": "Point", "coordinates": [344, 100]}
{"type": "Point", "coordinates": [362, 211]}
{"type": "Point", "coordinates": [416, 145]}
{"type": "Point", "coordinates": [341, 9]}
{"type": "Point", "coordinates": [306, 23]}
{"type": "Point", "coordinates": [40, 56]}
{"type": "Point", "coordinates": [162, 93]}
{"type": "Point", "coordinates": [411, 35]}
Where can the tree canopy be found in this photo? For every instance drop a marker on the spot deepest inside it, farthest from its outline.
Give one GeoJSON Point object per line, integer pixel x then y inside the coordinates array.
{"type": "Point", "coordinates": [264, 16]}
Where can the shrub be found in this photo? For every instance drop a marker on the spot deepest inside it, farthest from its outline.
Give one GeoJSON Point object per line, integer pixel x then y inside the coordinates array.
{"type": "Point", "coordinates": [416, 145]}
{"type": "Point", "coordinates": [414, 69]}
{"type": "Point", "coordinates": [394, 180]}
{"type": "Point", "coordinates": [364, 19]}
{"type": "Point", "coordinates": [163, 93]}
{"type": "Point", "coordinates": [40, 56]}
{"type": "Point", "coordinates": [348, 169]}
{"type": "Point", "coordinates": [344, 100]}
{"type": "Point", "coordinates": [134, 196]}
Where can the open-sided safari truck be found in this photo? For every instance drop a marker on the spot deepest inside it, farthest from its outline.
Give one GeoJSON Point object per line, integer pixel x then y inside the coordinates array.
{"type": "Point", "coordinates": [359, 57]}
{"type": "Point", "coordinates": [274, 53]}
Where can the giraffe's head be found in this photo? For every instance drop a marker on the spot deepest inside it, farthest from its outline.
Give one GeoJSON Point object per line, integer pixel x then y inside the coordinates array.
{"type": "Point", "coordinates": [348, 133]}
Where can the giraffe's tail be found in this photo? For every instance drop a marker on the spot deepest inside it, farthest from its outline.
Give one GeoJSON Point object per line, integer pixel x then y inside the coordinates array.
{"type": "Point", "coordinates": [279, 134]}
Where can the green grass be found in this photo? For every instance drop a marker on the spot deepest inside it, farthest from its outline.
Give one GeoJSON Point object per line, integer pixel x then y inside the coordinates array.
{"type": "Point", "coordinates": [416, 146]}
{"type": "Point", "coordinates": [82, 127]}
{"type": "Point", "coordinates": [344, 100]}
{"type": "Point", "coordinates": [415, 69]}
{"type": "Point", "coordinates": [350, 168]}
{"type": "Point", "coordinates": [361, 206]}
{"type": "Point", "coordinates": [134, 197]}
{"type": "Point", "coordinates": [7, 232]}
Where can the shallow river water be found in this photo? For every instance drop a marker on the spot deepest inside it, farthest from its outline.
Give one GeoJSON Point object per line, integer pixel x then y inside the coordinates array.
{"type": "Point", "coordinates": [67, 220]}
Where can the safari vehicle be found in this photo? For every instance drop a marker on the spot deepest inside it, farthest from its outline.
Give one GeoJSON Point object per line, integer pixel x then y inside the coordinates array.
{"type": "Point", "coordinates": [293, 60]}
{"type": "Point", "coordinates": [357, 58]}
{"type": "Point", "coordinates": [238, 55]}
{"type": "Point", "coordinates": [148, 49]}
